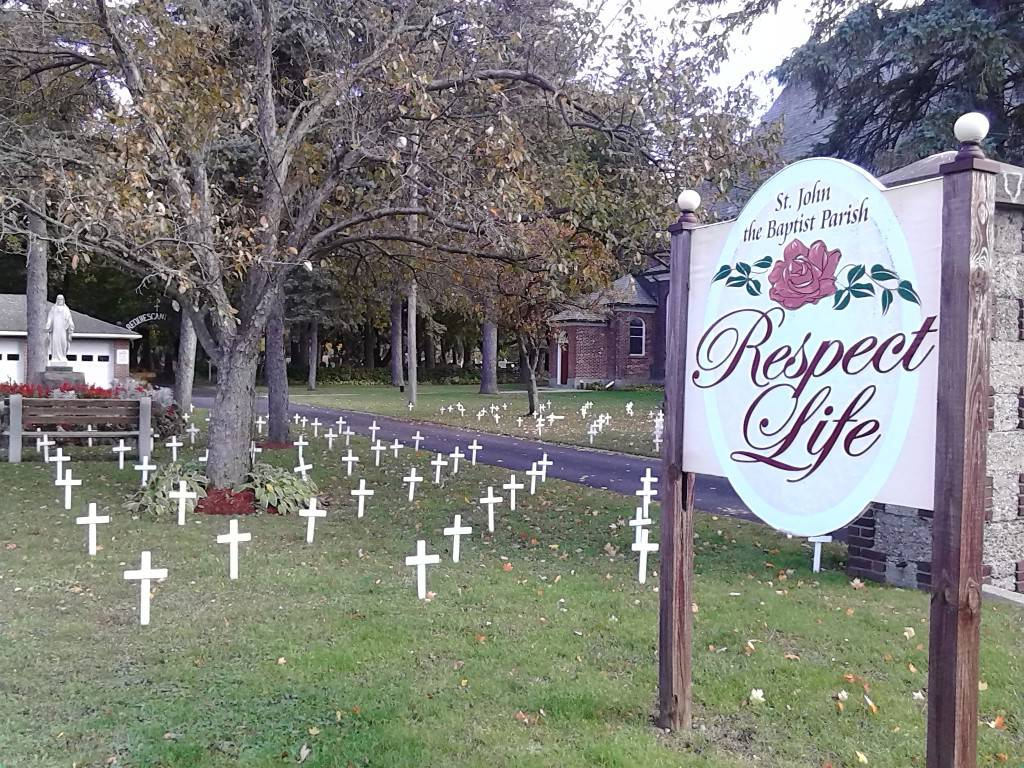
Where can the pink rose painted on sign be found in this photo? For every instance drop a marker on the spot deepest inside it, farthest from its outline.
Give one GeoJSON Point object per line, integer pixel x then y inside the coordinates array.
{"type": "Point", "coordinates": [804, 275]}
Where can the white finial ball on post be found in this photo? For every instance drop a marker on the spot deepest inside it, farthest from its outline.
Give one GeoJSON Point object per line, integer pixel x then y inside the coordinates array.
{"type": "Point", "coordinates": [971, 128]}
{"type": "Point", "coordinates": [688, 201]}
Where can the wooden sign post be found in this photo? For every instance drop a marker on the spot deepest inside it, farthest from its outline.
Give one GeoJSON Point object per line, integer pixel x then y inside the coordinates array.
{"type": "Point", "coordinates": [968, 233]}
{"type": "Point", "coordinates": [832, 329]}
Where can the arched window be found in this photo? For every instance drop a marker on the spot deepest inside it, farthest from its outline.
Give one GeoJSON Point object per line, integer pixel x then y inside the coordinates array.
{"type": "Point", "coordinates": [637, 337]}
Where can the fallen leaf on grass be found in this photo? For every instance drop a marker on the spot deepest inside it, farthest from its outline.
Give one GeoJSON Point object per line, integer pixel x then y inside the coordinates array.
{"type": "Point", "coordinates": [791, 656]}
{"type": "Point", "coordinates": [610, 550]}
{"type": "Point", "coordinates": [862, 758]}
{"type": "Point", "coordinates": [999, 723]}
{"type": "Point", "coordinates": [871, 705]}
{"type": "Point", "coordinates": [304, 753]}
{"type": "Point", "coordinates": [982, 685]}
{"type": "Point", "coordinates": [314, 731]}
{"type": "Point", "coordinates": [281, 660]}
{"type": "Point", "coordinates": [909, 633]}
{"type": "Point", "coordinates": [506, 567]}
{"type": "Point", "coordinates": [857, 584]}
{"type": "Point", "coordinates": [917, 696]}
{"type": "Point", "coordinates": [756, 696]}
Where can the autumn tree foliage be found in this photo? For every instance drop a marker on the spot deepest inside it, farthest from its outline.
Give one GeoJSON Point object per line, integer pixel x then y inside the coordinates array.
{"type": "Point", "coordinates": [236, 139]}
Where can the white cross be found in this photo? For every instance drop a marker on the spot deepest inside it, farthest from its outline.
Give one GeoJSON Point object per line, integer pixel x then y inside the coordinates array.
{"type": "Point", "coordinates": [455, 456]}
{"type": "Point", "coordinates": [638, 523]}
{"type": "Point", "coordinates": [591, 432]}
{"type": "Point", "coordinates": [489, 501]}
{"type": "Point", "coordinates": [44, 443]}
{"type": "Point", "coordinates": [145, 468]}
{"type": "Point", "coordinates": [348, 435]}
{"type": "Point", "coordinates": [182, 496]}
{"type": "Point", "coordinates": [512, 486]}
{"type": "Point", "coordinates": [92, 520]}
{"type": "Point", "coordinates": [233, 538]}
{"type": "Point", "coordinates": [331, 437]}
{"type": "Point", "coordinates": [534, 473]}
{"type": "Point", "coordinates": [295, 418]}
{"type": "Point", "coordinates": [305, 421]}
{"type": "Point", "coordinates": [316, 427]}
{"type": "Point", "coordinates": [818, 541]}
{"type": "Point", "coordinates": [519, 421]}
{"type": "Point", "coordinates": [544, 464]}
{"type": "Point", "coordinates": [254, 450]}
{"type": "Point", "coordinates": [647, 493]}
{"type": "Point", "coordinates": [205, 457]}
{"type": "Point", "coordinates": [361, 493]}
{"type": "Point", "coordinates": [480, 414]}
{"type": "Point", "coordinates": [657, 442]}
{"type": "Point", "coordinates": [421, 560]}
{"type": "Point", "coordinates": [540, 427]}
{"type": "Point", "coordinates": [259, 425]}
{"type": "Point", "coordinates": [301, 443]}
{"type": "Point", "coordinates": [374, 429]}
{"type": "Point", "coordinates": [412, 479]}
{"type": "Point", "coordinates": [629, 408]}
{"type": "Point", "coordinates": [349, 459]}
{"type": "Point", "coordinates": [474, 447]}
{"type": "Point", "coordinates": [396, 447]}
{"type": "Point", "coordinates": [340, 422]}
{"type": "Point", "coordinates": [303, 470]}
{"type": "Point", "coordinates": [417, 439]}
{"type": "Point", "coordinates": [192, 430]}
{"type": "Point", "coordinates": [378, 448]}
{"type": "Point", "coordinates": [88, 428]}
{"type": "Point", "coordinates": [144, 575]}
{"type": "Point", "coordinates": [644, 547]}
{"type": "Point", "coordinates": [121, 449]}
{"type": "Point", "coordinates": [437, 464]}
{"type": "Point", "coordinates": [411, 406]}
{"type": "Point", "coordinates": [174, 444]}
{"type": "Point", "coordinates": [497, 417]}
{"type": "Point", "coordinates": [59, 459]}
{"type": "Point", "coordinates": [311, 514]}
{"type": "Point", "coordinates": [457, 530]}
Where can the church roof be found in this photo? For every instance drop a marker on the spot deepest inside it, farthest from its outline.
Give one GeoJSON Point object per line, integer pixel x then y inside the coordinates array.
{"type": "Point", "coordinates": [595, 307]}
{"type": "Point", "coordinates": [14, 321]}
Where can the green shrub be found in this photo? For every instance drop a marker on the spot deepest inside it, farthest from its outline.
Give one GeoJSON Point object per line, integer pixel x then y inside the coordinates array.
{"type": "Point", "coordinates": [279, 488]}
{"type": "Point", "coordinates": [154, 499]}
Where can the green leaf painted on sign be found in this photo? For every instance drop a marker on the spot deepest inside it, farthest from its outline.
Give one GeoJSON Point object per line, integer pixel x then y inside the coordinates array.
{"type": "Point", "coordinates": [907, 292]}
{"type": "Point", "coordinates": [722, 273]}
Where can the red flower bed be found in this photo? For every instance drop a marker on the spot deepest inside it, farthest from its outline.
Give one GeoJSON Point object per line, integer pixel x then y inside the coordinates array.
{"type": "Point", "coordinates": [224, 501]}
{"type": "Point", "coordinates": [41, 390]}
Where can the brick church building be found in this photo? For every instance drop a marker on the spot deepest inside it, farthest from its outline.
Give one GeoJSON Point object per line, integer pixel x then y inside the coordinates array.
{"type": "Point", "coordinates": [613, 337]}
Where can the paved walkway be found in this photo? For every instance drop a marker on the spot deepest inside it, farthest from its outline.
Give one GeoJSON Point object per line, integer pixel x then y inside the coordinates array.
{"type": "Point", "coordinates": [617, 472]}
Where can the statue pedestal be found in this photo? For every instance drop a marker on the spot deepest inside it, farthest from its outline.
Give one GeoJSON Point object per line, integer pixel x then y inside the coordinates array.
{"type": "Point", "coordinates": [57, 374]}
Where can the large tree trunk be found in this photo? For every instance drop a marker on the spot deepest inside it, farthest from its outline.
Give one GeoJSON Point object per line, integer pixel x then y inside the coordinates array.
{"type": "Point", "coordinates": [35, 292]}
{"type": "Point", "coordinates": [528, 351]}
{"type": "Point", "coordinates": [276, 370]}
{"type": "Point", "coordinates": [369, 345]}
{"type": "Point", "coordinates": [231, 420]}
{"type": "Point", "coordinates": [489, 368]}
{"type": "Point", "coordinates": [185, 369]}
{"type": "Point", "coordinates": [397, 378]}
{"type": "Point", "coordinates": [314, 354]}
{"type": "Point", "coordinates": [413, 352]}
{"type": "Point", "coordinates": [430, 349]}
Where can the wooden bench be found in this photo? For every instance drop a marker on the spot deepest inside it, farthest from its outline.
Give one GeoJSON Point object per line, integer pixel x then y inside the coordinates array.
{"type": "Point", "coordinates": [128, 418]}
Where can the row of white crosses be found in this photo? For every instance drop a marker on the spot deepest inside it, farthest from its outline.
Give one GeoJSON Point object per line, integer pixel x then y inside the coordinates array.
{"type": "Point", "coordinates": [457, 530]}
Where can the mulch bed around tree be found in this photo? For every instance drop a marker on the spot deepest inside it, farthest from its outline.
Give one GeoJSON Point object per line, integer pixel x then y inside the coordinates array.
{"type": "Point", "coordinates": [223, 501]}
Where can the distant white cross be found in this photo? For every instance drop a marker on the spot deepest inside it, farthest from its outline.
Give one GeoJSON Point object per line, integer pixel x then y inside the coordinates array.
{"type": "Point", "coordinates": [144, 575]}
{"type": "Point", "coordinates": [421, 560]}
{"type": "Point", "coordinates": [205, 457]}
{"type": "Point", "coordinates": [59, 459]}
{"type": "Point", "coordinates": [592, 431]}
{"type": "Point", "coordinates": [254, 450]}
{"type": "Point", "coordinates": [396, 447]}
{"type": "Point", "coordinates": [145, 468]}
{"type": "Point", "coordinates": [480, 414]}
{"type": "Point", "coordinates": [331, 437]}
{"type": "Point", "coordinates": [295, 418]}
{"type": "Point", "coordinates": [182, 496]}
{"type": "Point", "coordinates": [44, 443]}
{"type": "Point", "coordinates": [120, 449]}
{"type": "Point", "coordinates": [88, 428]}
{"type": "Point", "coordinates": [437, 463]}
{"type": "Point", "coordinates": [374, 429]}
{"type": "Point", "coordinates": [512, 486]}
{"type": "Point", "coordinates": [457, 530]}
{"type": "Point", "coordinates": [411, 406]}
{"type": "Point", "coordinates": [349, 459]}
{"type": "Point", "coordinates": [174, 444]}
{"type": "Point", "coordinates": [301, 443]}
{"type": "Point", "coordinates": [533, 473]}
{"type": "Point", "coordinates": [497, 417]}
{"type": "Point", "coordinates": [544, 464]}
{"type": "Point", "coordinates": [644, 547]}
{"type": "Point", "coordinates": [412, 479]}
{"type": "Point", "coordinates": [647, 492]}
{"type": "Point", "coordinates": [92, 520]}
{"type": "Point", "coordinates": [489, 501]}
{"type": "Point", "coordinates": [817, 541]}
{"type": "Point", "coordinates": [348, 435]}
{"type": "Point", "coordinates": [455, 456]}
{"type": "Point", "coordinates": [473, 448]}
{"type": "Point", "coordinates": [233, 538]}
{"type": "Point", "coordinates": [417, 439]}
{"type": "Point", "coordinates": [519, 421]}
{"type": "Point", "coordinates": [305, 421]}
{"type": "Point", "coordinates": [638, 523]}
{"type": "Point", "coordinates": [259, 425]}
{"type": "Point", "coordinates": [192, 430]}
{"type": "Point", "coordinates": [361, 493]}
{"type": "Point", "coordinates": [303, 470]}
{"type": "Point", "coordinates": [340, 422]}
{"type": "Point", "coordinates": [67, 482]}
{"type": "Point", "coordinates": [316, 427]}
{"type": "Point", "coordinates": [378, 448]}
{"type": "Point", "coordinates": [657, 442]}
{"type": "Point", "coordinates": [629, 408]}
{"type": "Point", "coordinates": [540, 427]}
{"type": "Point", "coordinates": [311, 514]}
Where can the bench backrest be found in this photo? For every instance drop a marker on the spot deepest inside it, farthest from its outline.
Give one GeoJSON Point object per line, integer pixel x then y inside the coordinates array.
{"type": "Point", "coordinates": [45, 412]}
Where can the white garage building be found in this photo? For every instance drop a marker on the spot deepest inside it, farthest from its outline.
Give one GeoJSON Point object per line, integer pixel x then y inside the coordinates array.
{"type": "Point", "coordinates": [99, 350]}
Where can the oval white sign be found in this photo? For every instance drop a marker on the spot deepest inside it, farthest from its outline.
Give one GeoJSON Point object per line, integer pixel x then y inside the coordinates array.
{"type": "Point", "coordinates": [812, 338]}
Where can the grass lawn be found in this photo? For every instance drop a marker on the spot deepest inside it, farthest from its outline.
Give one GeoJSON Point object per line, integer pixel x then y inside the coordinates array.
{"type": "Point", "coordinates": [537, 650]}
{"type": "Point", "coordinates": [624, 433]}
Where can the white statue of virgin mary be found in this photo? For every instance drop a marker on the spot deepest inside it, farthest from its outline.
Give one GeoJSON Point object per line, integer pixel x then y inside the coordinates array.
{"type": "Point", "coordinates": [59, 327]}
